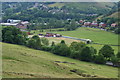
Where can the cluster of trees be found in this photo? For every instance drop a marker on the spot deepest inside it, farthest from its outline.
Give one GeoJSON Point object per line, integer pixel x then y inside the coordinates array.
{"type": "Point", "coordinates": [53, 23]}
{"type": "Point", "coordinates": [77, 50]}
{"type": "Point", "coordinates": [80, 51]}
{"type": "Point", "coordinates": [13, 35]}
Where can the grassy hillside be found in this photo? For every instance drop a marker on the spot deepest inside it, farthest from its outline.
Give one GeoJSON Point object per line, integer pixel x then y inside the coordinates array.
{"type": "Point", "coordinates": [115, 14]}
{"type": "Point", "coordinates": [86, 6]}
{"type": "Point", "coordinates": [59, 5]}
{"type": "Point", "coordinates": [19, 62]}
{"type": "Point", "coordinates": [96, 35]}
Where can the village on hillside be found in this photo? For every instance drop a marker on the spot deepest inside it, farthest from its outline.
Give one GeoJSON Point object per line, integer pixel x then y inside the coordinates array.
{"type": "Point", "coordinates": [23, 25]}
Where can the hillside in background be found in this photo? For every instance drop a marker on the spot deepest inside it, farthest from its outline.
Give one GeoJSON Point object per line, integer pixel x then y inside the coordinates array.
{"type": "Point", "coordinates": [23, 62]}
{"type": "Point", "coordinates": [35, 11]}
{"type": "Point", "coordinates": [86, 7]}
{"type": "Point", "coordinates": [113, 13]}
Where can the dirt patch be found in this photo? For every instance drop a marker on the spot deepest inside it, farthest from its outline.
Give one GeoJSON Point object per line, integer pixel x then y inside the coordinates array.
{"type": "Point", "coordinates": [82, 73]}
{"type": "Point", "coordinates": [18, 73]}
{"type": "Point", "coordinates": [64, 62]}
{"type": "Point", "coordinates": [25, 54]}
{"type": "Point", "coordinates": [23, 74]}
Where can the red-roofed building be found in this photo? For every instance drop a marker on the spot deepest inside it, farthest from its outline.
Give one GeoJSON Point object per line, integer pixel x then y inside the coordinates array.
{"type": "Point", "coordinates": [94, 24]}
{"type": "Point", "coordinates": [81, 21]}
{"type": "Point", "coordinates": [102, 25]}
{"type": "Point", "coordinates": [87, 23]}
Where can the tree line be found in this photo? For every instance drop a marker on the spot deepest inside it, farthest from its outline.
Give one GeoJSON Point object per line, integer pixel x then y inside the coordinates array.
{"type": "Point", "coordinates": [76, 50]}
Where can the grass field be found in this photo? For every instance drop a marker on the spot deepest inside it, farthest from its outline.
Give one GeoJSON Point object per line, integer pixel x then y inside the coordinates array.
{"type": "Point", "coordinates": [23, 62]}
{"type": "Point", "coordinates": [96, 35]}
{"type": "Point", "coordinates": [58, 40]}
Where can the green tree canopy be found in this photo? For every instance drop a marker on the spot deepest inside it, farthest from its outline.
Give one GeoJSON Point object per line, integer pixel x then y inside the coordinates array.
{"type": "Point", "coordinates": [13, 35]}
{"type": "Point", "coordinates": [86, 54]}
{"type": "Point", "coordinates": [106, 51]}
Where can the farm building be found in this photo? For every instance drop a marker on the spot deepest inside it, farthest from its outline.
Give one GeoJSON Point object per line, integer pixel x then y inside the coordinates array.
{"type": "Point", "coordinates": [23, 25]}
{"type": "Point", "coordinates": [52, 35]}
{"type": "Point", "coordinates": [17, 23]}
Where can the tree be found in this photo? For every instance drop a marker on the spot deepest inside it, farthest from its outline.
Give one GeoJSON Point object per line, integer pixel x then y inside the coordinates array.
{"type": "Point", "coordinates": [7, 37]}
{"type": "Point", "coordinates": [61, 49]}
{"type": "Point", "coordinates": [99, 59]}
{"type": "Point", "coordinates": [20, 39]}
{"type": "Point", "coordinates": [34, 42]}
{"type": "Point", "coordinates": [53, 44]}
{"type": "Point", "coordinates": [106, 51]}
{"type": "Point", "coordinates": [62, 42]}
{"type": "Point", "coordinates": [76, 48]}
{"type": "Point", "coordinates": [31, 43]}
{"type": "Point", "coordinates": [86, 54]}
{"type": "Point", "coordinates": [13, 35]}
{"type": "Point", "coordinates": [45, 41]}
{"type": "Point", "coordinates": [93, 52]}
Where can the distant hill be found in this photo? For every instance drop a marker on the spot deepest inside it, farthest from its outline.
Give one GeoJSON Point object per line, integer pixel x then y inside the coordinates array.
{"type": "Point", "coordinates": [88, 7]}
{"type": "Point", "coordinates": [115, 14]}
{"type": "Point", "coordinates": [112, 14]}
{"type": "Point", "coordinates": [33, 10]}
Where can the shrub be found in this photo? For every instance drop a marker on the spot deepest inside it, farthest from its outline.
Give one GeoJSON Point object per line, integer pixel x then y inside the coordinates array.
{"type": "Point", "coordinates": [46, 48]}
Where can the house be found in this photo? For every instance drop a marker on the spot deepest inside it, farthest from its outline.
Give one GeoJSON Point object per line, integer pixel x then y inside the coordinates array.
{"type": "Point", "coordinates": [17, 23]}
{"type": "Point", "coordinates": [87, 23]}
{"type": "Point", "coordinates": [22, 25]}
{"type": "Point", "coordinates": [94, 24]}
{"type": "Point", "coordinates": [103, 25]}
{"type": "Point", "coordinates": [114, 25]}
